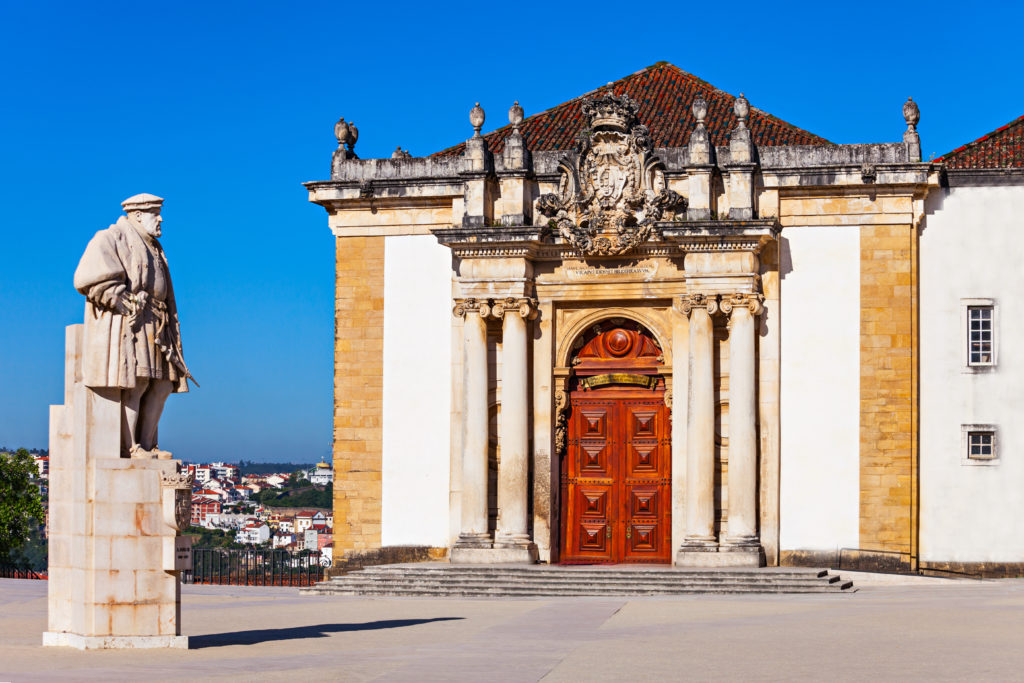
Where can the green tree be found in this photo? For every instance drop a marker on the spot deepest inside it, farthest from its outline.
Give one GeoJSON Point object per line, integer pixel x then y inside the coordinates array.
{"type": "Point", "coordinates": [212, 538]}
{"type": "Point", "coordinates": [21, 508]}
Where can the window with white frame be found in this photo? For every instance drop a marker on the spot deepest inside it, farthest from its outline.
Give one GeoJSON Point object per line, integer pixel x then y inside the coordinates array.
{"type": "Point", "coordinates": [979, 444]}
{"type": "Point", "coordinates": [979, 325]}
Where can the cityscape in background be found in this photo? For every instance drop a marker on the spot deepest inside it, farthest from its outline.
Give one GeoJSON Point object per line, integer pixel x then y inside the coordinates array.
{"type": "Point", "coordinates": [233, 506]}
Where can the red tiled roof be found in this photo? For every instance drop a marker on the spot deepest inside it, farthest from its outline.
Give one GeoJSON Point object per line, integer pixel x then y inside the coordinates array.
{"type": "Point", "coordinates": [1002, 148]}
{"type": "Point", "coordinates": [665, 93]}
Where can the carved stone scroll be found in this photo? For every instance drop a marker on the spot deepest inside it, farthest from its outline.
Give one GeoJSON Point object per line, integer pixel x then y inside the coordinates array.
{"type": "Point", "coordinates": [750, 301]}
{"type": "Point", "coordinates": [561, 421]}
{"type": "Point", "coordinates": [526, 307]}
{"type": "Point", "coordinates": [687, 303]}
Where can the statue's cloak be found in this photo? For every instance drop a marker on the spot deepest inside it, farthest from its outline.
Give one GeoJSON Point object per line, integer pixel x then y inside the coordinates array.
{"type": "Point", "coordinates": [118, 261]}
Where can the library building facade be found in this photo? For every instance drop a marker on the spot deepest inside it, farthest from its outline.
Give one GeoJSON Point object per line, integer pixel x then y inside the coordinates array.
{"type": "Point", "coordinates": [655, 324]}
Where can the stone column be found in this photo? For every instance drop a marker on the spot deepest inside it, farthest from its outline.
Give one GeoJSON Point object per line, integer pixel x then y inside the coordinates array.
{"type": "Point", "coordinates": [474, 532]}
{"type": "Point", "coordinates": [700, 427]}
{"type": "Point", "coordinates": [742, 309]}
{"type": "Point", "coordinates": [513, 435]}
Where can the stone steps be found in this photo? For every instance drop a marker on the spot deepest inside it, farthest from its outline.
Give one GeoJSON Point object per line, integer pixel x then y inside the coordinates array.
{"type": "Point", "coordinates": [441, 580]}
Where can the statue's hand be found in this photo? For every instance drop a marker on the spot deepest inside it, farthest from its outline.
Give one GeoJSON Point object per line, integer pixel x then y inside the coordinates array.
{"type": "Point", "coordinates": [124, 304]}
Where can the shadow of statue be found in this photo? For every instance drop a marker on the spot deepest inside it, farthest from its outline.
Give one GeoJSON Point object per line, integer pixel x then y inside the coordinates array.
{"type": "Point", "coordinates": [299, 632]}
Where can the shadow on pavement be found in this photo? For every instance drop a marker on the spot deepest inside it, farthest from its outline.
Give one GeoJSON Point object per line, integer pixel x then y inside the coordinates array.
{"type": "Point", "coordinates": [298, 632]}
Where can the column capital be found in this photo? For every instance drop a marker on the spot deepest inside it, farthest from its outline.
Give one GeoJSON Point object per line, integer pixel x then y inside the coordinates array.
{"type": "Point", "coordinates": [471, 306]}
{"type": "Point", "coordinates": [688, 303]}
{"type": "Point", "coordinates": [751, 301]}
{"type": "Point", "coordinates": [526, 307]}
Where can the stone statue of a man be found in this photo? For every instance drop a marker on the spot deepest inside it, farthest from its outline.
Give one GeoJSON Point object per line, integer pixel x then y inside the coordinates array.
{"type": "Point", "coordinates": [132, 338]}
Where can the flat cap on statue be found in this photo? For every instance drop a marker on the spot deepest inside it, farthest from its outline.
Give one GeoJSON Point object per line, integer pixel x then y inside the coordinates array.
{"type": "Point", "coordinates": [142, 202]}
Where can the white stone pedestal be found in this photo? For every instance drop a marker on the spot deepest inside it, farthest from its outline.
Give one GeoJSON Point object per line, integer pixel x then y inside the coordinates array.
{"type": "Point", "coordinates": [60, 639]}
{"type": "Point", "coordinates": [526, 554]}
{"type": "Point", "coordinates": [109, 583]}
{"type": "Point", "coordinates": [724, 556]}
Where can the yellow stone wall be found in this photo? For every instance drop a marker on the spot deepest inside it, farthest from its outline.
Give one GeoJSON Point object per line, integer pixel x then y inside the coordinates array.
{"type": "Point", "coordinates": [358, 392]}
{"type": "Point", "coordinates": [888, 388]}
{"type": "Point", "coordinates": [888, 354]}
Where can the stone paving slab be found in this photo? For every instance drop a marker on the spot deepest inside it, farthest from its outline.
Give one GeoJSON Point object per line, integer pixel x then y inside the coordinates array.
{"type": "Point", "coordinates": [952, 631]}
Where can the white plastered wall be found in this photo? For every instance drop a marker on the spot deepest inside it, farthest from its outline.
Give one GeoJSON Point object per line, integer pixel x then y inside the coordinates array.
{"type": "Point", "coordinates": [820, 388]}
{"type": "Point", "coordinates": [417, 391]}
{"type": "Point", "coordinates": [972, 246]}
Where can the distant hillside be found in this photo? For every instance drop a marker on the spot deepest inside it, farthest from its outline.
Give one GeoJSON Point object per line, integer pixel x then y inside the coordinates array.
{"type": "Point", "coordinates": [34, 451]}
{"type": "Point", "coordinates": [271, 467]}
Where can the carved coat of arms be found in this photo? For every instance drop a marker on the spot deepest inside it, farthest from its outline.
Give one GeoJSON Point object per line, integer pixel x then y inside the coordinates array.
{"type": "Point", "coordinates": [177, 500]}
{"type": "Point", "coordinates": [610, 196]}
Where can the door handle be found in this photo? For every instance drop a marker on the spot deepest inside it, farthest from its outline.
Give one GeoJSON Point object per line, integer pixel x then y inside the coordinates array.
{"type": "Point", "coordinates": [607, 530]}
{"type": "Point", "coordinates": [629, 531]}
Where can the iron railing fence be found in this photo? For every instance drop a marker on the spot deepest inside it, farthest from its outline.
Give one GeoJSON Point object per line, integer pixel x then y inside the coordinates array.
{"type": "Point", "coordinates": [254, 567]}
{"type": "Point", "coordinates": [8, 571]}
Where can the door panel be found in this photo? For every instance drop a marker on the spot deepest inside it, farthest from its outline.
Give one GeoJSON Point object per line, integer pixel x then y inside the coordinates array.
{"type": "Point", "coordinates": [616, 498]}
{"type": "Point", "coordinates": [591, 491]}
{"type": "Point", "coordinates": [647, 480]}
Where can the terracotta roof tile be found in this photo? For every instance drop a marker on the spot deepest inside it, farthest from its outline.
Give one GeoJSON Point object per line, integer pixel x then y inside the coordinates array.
{"type": "Point", "coordinates": [1002, 148]}
{"type": "Point", "coordinates": [665, 94]}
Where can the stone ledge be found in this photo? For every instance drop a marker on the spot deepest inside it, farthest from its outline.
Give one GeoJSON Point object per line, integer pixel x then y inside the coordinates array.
{"type": "Point", "coordinates": [354, 560]}
{"type": "Point", "coordinates": [80, 642]}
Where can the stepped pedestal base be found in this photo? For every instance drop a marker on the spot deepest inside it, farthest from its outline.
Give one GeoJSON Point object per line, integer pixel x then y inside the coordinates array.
{"type": "Point", "coordinates": [724, 556]}
{"type": "Point", "coordinates": [62, 639]}
{"type": "Point", "coordinates": [525, 554]}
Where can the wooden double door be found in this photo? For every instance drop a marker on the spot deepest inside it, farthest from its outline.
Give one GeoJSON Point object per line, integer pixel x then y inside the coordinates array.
{"type": "Point", "coordinates": [616, 478]}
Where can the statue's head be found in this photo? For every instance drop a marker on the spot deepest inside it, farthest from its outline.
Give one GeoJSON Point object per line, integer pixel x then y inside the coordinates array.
{"type": "Point", "coordinates": [144, 211]}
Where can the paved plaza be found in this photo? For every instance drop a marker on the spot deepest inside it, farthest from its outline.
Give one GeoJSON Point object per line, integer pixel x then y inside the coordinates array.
{"type": "Point", "coordinates": [907, 630]}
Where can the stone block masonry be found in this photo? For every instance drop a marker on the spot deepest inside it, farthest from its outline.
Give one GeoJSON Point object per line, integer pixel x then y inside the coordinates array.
{"type": "Point", "coordinates": [110, 584]}
{"type": "Point", "coordinates": [888, 389]}
{"type": "Point", "coordinates": [358, 393]}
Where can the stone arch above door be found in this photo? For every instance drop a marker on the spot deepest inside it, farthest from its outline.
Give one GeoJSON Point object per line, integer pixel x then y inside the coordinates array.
{"type": "Point", "coordinates": [567, 338]}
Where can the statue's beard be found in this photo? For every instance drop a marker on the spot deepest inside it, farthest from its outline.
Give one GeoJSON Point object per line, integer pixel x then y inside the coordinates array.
{"type": "Point", "coordinates": [146, 229]}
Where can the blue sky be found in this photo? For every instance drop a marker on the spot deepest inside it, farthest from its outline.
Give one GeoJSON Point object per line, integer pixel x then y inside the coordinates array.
{"type": "Point", "coordinates": [225, 108]}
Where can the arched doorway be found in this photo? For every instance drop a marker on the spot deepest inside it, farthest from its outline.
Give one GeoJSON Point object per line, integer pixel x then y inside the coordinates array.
{"type": "Point", "coordinates": [616, 497]}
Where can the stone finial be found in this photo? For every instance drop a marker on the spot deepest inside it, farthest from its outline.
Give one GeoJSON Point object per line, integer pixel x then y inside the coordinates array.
{"type": "Point", "coordinates": [516, 156]}
{"type": "Point", "coordinates": [341, 131]}
{"type": "Point", "coordinates": [742, 109]}
{"type": "Point", "coordinates": [741, 147]}
{"type": "Point", "coordinates": [346, 134]}
{"type": "Point", "coordinates": [700, 110]}
{"type": "Point", "coordinates": [477, 154]}
{"type": "Point", "coordinates": [515, 115]}
{"type": "Point", "coordinates": [742, 159]}
{"type": "Point", "coordinates": [912, 114]}
{"type": "Point", "coordinates": [700, 141]}
{"type": "Point", "coordinates": [400, 153]}
{"type": "Point", "coordinates": [476, 118]}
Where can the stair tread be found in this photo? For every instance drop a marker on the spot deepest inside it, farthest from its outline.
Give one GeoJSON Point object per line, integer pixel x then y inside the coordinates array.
{"type": "Point", "coordinates": [445, 580]}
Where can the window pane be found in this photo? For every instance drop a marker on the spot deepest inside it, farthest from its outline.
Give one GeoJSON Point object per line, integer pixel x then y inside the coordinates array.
{"type": "Point", "coordinates": [980, 335]}
{"type": "Point", "coordinates": [981, 445]}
